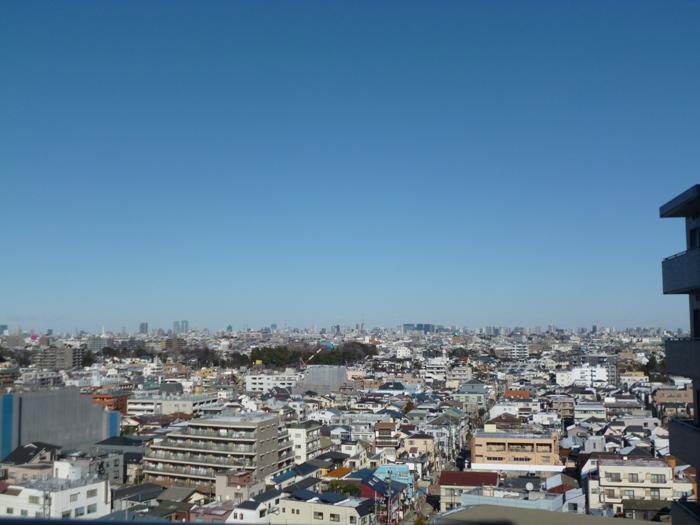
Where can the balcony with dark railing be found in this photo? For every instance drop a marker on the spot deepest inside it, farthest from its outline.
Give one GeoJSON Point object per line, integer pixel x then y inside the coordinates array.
{"type": "Point", "coordinates": [681, 272]}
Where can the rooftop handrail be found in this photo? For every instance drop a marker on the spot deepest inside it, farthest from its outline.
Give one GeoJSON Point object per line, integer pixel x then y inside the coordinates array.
{"type": "Point", "coordinates": [679, 254]}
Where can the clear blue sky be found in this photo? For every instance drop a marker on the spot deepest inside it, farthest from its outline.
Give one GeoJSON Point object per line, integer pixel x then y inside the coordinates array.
{"type": "Point", "coordinates": [327, 162]}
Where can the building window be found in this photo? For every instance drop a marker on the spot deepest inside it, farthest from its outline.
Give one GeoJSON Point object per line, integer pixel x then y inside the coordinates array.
{"type": "Point", "coordinates": [318, 515]}
{"type": "Point", "coordinates": [655, 494]}
{"type": "Point", "coordinates": [609, 493]}
{"type": "Point", "coordinates": [65, 515]}
{"type": "Point", "coordinates": [74, 497]}
{"type": "Point", "coordinates": [658, 478]}
{"type": "Point", "coordinates": [34, 500]}
{"type": "Point", "coordinates": [634, 478]}
{"type": "Point", "coordinates": [92, 508]}
{"type": "Point", "coordinates": [10, 510]}
{"type": "Point", "coordinates": [613, 476]}
{"type": "Point", "coordinates": [23, 512]}
{"type": "Point", "coordinates": [628, 494]}
{"type": "Point", "coordinates": [335, 517]}
{"type": "Point", "coordinates": [92, 493]}
{"type": "Point", "coordinates": [79, 511]}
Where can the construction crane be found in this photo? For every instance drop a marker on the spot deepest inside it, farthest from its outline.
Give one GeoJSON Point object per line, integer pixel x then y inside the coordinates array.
{"type": "Point", "coordinates": [303, 362]}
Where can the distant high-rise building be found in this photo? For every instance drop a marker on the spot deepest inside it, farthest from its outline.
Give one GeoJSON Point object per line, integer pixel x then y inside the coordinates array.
{"type": "Point", "coordinates": [4, 329]}
{"type": "Point", "coordinates": [681, 275]}
{"type": "Point", "coordinates": [143, 328]}
{"type": "Point", "coordinates": [184, 326]}
{"type": "Point", "coordinates": [176, 327]}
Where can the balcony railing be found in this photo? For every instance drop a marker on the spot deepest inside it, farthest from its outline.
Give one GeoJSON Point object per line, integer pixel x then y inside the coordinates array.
{"type": "Point", "coordinates": [205, 445]}
{"type": "Point", "coordinates": [225, 434]}
{"type": "Point", "coordinates": [206, 473]}
{"type": "Point", "coordinates": [199, 458]}
{"type": "Point", "coordinates": [681, 272]}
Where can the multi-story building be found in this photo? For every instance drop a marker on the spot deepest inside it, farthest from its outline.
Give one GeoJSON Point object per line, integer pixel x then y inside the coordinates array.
{"type": "Point", "coordinates": [59, 358]}
{"type": "Point", "coordinates": [454, 483]}
{"type": "Point", "coordinates": [141, 404]}
{"type": "Point", "coordinates": [627, 479]}
{"type": "Point", "coordinates": [194, 454]}
{"type": "Point", "coordinates": [386, 435]}
{"type": "Point", "coordinates": [458, 375]}
{"type": "Point", "coordinates": [57, 498]}
{"type": "Point", "coordinates": [265, 382]}
{"type": "Point", "coordinates": [586, 410]}
{"type": "Point", "coordinates": [518, 452]}
{"type": "Point", "coordinates": [306, 508]}
{"type": "Point", "coordinates": [38, 379]}
{"type": "Point", "coordinates": [585, 375]}
{"type": "Point", "coordinates": [306, 440]}
{"type": "Point", "coordinates": [62, 417]}
{"type": "Point", "coordinates": [435, 369]}
{"type": "Point", "coordinates": [681, 275]}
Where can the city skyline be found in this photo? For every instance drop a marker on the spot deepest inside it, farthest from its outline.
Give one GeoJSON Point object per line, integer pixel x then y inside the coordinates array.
{"type": "Point", "coordinates": [478, 164]}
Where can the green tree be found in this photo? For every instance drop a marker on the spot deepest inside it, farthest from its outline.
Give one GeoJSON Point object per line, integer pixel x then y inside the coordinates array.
{"type": "Point", "coordinates": [88, 359]}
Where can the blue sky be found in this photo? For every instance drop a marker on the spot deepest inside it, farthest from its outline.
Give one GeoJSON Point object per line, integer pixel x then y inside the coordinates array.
{"type": "Point", "coordinates": [464, 163]}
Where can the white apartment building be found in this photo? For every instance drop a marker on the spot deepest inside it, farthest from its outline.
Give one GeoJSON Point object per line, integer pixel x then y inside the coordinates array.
{"type": "Point", "coordinates": [324, 508]}
{"type": "Point", "coordinates": [265, 382]}
{"type": "Point", "coordinates": [435, 369]}
{"type": "Point", "coordinates": [306, 440]}
{"type": "Point", "coordinates": [57, 498]}
{"type": "Point", "coordinates": [585, 375]}
{"type": "Point", "coordinates": [585, 410]}
{"type": "Point", "coordinates": [458, 375]}
{"type": "Point", "coordinates": [148, 404]}
{"type": "Point", "coordinates": [618, 480]}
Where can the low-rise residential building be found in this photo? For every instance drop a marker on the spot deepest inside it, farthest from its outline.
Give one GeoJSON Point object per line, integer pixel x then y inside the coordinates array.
{"type": "Point", "coordinates": [309, 508]}
{"type": "Point", "coordinates": [620, 479]}
{"type": "Point", "coordinates": [56, 498]}
{"type": "Point", "coordinates": [520, 452]}
{"type": "Point", "coordinates": [454, 483]}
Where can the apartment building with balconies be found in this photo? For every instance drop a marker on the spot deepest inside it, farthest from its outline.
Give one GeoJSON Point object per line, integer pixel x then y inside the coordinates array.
{"type": "Point", "coordinates": [306, 440]}
{"type": "Point", "coordinates": [195, 453]}
{"type": "Point", "coordinates": [681, 275]}
{"type": "Point", "coordinates": [633, 479]}
{"type": "Point", "coordinates": [516, 452]}
{"type": "Point", "coordinates": [155, 403]}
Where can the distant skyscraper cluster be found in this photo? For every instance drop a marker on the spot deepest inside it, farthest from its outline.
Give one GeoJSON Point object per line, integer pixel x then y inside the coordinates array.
{"type": "Point", "coordinates": [180, 327]}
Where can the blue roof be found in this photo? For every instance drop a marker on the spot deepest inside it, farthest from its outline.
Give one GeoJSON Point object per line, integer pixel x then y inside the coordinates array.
{"type": "Point", "coordinates": [305, 495]}
{"type": "Point", "coordinates": [284, 476]}
{"type": "Point", "coordinates": [363, 474]}
{"type": "Point", "coordinates": [332, 497]}
{"type": "Point", "coordinates": [382, 487]}
{"type": "Point", "coordinates": [306, 468]}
